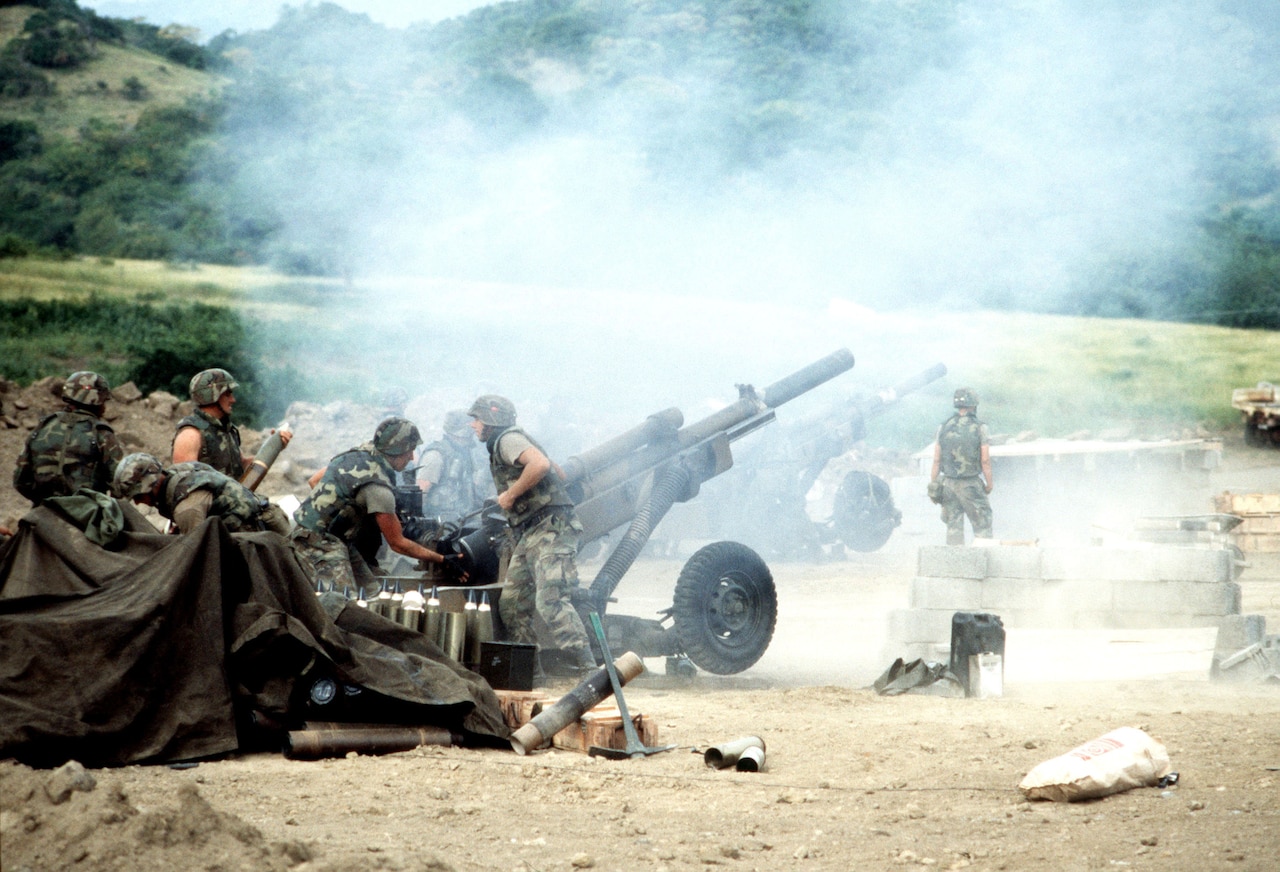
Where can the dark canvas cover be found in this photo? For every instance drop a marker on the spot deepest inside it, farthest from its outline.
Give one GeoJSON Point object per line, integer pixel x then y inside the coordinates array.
{"type": "Point", "coordinates": [153, 647]}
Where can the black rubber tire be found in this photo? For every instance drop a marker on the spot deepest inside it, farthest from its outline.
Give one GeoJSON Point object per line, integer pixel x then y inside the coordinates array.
{"type": "Point", "coordinates": [864, 514]}
{"type": "Point", "coordinates": [725, 608]}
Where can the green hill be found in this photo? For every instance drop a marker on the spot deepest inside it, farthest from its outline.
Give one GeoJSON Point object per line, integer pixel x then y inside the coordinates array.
{"type": "Point", "coordinates": [97, 89]}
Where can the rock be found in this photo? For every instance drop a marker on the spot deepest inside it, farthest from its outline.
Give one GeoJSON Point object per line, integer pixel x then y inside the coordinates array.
{"type": "Point", "coordinates": [66, 780]}
{"type": "Point", "coordinates": [126, 393]}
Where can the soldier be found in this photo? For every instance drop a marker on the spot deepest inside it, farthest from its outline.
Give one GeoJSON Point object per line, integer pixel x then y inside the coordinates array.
{"type": "Point", "coordinates": [187, 493]}
{"type": "Point", "coordinates": [354, 488]}
{"type": "Point", "coordinates": [962, 455]}
{"type": "Point", "coordinates": [447, 471]}
{"type": "Point", "coordinates": [542, 576]}
{"type": "Point", "coordinates": [72, 448]}
{"type": "Point", "coordinates": [207, 435]}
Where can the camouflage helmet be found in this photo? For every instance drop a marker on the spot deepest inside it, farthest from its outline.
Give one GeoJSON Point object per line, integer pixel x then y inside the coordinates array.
{"type": "Point", "coordinates": [457, 423]}
{"type": "Point", "coordinates": [208, 386]}
{"type": "Point", "coordinates": [493, 410]}
{"type": "Point", "coordinates": [86, 388]}
{"type": "Point", "coordinates": [136, 475]}
{"type": "Point", "coordinates": [396, 436]}
{"type": "Point", "coordinates": [965, 398]}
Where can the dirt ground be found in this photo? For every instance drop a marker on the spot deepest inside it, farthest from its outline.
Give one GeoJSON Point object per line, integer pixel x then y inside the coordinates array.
{"type": "Point", "coordinates": [851, 780]}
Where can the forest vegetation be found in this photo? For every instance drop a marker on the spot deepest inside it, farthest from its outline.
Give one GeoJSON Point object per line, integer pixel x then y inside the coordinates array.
{"type": "Point", "coordinates": [126, 141]}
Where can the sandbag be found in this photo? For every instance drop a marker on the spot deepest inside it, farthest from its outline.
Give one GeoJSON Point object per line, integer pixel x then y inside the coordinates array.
{"type": "Point", "coordinates": [1118, 761]}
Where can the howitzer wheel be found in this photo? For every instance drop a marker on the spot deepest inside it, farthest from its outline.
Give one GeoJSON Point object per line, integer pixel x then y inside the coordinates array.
{"type": "Point", "coordinates": [725, 608]}
{"type": "Point", "coordinates": [864, 514]}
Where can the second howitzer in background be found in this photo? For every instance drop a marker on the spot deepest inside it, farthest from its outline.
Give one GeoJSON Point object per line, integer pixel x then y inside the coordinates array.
{"type": "Point", "coordinates": [766, 503]}
{"type": "Point", "coordinates": [725, 604]}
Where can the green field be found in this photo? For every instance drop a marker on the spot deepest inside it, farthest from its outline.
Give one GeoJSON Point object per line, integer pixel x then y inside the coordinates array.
{"type": "Point", "coordinates": [1052, 375]}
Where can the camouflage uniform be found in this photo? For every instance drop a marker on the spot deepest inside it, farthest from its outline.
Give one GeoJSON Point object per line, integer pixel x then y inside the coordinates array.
{"type": "Point", "coordinates": [450, 469]}
{"type": "Point", "coordinates": [543, 574]}
{"type": "Point", "coordinates": [960, 439]}
{"type": "Point", "coordinates": [70, 449]}
{"type": "Point", "coordinates": [241, 510]}
{"type": "Point", "coordinates": [355, 485]}
{"type": "Point", "coordinates": [219, 442]}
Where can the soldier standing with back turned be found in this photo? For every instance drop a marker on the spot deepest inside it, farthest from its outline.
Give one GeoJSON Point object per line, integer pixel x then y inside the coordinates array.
{"type": "Point", "coordinates": [961, 475]}
{"type": "Point", "coordinates": [73, 448]}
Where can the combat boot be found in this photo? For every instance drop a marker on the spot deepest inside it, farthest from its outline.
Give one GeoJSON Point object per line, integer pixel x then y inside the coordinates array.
{"type": "Point", "coordinates": [586, 661]}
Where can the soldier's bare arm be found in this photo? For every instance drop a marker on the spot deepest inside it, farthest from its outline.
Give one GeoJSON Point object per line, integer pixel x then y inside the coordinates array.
{"type": "Point", "coordinates": [534, 466]}
{"type": "Point", "coordinates": [186, 445]}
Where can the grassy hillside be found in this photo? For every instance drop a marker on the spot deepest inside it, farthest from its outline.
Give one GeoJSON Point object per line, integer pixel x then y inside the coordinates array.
{"type": "Point", "coordinates": [96, 88]}
{"type": "Point", "coordinates": [325, 340]}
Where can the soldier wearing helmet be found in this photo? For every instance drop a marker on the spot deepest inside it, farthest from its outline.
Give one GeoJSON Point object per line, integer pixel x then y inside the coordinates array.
{"type": "Point", "coordinates": [447, 471]}
{"type": "Point", "coordinates": [72, 448]}
{"type": "Point", "coordinates": [961, 475]}
{"type": "Point", "coordinates": [188, 493]}
{"type": "Point", "coordinates": [355, 489]}
{"type": "Point", "coordinates": [207, 434]}
{"type": "Point", "coordinates": [542, 577]}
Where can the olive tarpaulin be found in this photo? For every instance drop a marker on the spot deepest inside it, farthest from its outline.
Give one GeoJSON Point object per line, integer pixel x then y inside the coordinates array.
{"type": "Point", "coordinates": [160, 648]}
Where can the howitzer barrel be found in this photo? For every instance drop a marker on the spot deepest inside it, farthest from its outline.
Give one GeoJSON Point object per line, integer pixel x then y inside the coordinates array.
{"type": "Point", "coordinates": [804, 380]}
{"type": "Point", "coordinates": [658, 426]}
{"type": "Point", "coordinates": [889, 396]}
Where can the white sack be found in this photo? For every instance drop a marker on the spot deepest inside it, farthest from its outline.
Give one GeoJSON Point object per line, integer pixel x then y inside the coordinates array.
{"type": "Point", "coordinates": [1120, 760]}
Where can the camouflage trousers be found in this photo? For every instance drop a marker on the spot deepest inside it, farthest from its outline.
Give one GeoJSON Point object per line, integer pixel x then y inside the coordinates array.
{"type": "Point", "coordinates": [961, 498]}
{"type": "Point", "coordinates": [334, 563]}
{"type": "Point", "coordinates": [541, 579]}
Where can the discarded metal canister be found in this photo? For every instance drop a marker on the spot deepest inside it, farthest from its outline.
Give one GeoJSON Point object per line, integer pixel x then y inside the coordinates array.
{"type": "Point", "coordinates": [570, 707]}
{"type": "Point", "coordinates": [453, 634]}
{"type": "Point", "coordinates": [431, 618]}
{"type": "Point", "coordinates": [338, 740]}
{"type": "Point", "coordinates": [752, 760]}
{"type": "Point", "coordinates": [267, 454]}
{"type": "Point", "coordinates": [482, 631]}
{"type": "Point", "coordinates": [726, 755]}
{"type": "Point", "coordinates": [411, 610]}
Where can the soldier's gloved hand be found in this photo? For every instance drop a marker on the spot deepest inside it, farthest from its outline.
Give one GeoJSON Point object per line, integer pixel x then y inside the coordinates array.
{"type": "Point", "coordinates": [454, 567]}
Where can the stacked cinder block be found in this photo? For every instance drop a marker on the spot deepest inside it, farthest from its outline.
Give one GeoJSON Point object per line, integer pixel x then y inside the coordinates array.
{"type": "Point", "coordinates": [1084, 588]}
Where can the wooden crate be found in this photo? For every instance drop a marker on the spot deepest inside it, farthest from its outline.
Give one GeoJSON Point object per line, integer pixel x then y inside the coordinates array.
{"type": "Point", "coordinates": [602, 727]}
{"type": "Point", "coordinates": [1258, 525]}
{"type": "Point", "coordinates": [521, 706]}
{"type": "Point", "coordinates": [1257, 543]}
{"type": "Point", "coordinates": [1247, 504]}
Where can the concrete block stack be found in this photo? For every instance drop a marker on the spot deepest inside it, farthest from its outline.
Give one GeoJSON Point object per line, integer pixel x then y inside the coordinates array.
{"type": "Point", "coordinates": [1068, 588]}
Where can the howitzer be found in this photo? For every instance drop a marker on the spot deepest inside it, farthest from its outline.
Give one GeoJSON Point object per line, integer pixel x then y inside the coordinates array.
{"type": "Point", "coordinates": [769, 500]}
{"type": "Point", "coordinates": [725, 603]}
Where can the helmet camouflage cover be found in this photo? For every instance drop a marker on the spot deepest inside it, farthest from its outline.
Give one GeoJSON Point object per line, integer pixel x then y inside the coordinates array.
{"type": "Point", "coordinates": [396, 436]}
{"type": "Point", "coordinates": [493, 410]}
{"type": "Point", "coordinates": [137, 474]}
{"type": "Point", "coordinates": [208, 386]}
{"type": "Point", "coordinates": [965, 397]}
{"type": "Point", "coordinates": [86, 388]}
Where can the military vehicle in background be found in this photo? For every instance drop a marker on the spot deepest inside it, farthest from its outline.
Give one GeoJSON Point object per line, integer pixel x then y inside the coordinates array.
{"type": "Point", "coordinates": [1260, 408]}
{"type": "Point", "coordinates": [768, 501]}
{"type": "Point", "coordinates": [725, 605]}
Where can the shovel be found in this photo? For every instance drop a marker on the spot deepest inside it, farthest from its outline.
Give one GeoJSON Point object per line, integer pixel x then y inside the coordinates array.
{"type": "Point", "coordinates": [635, 748]}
